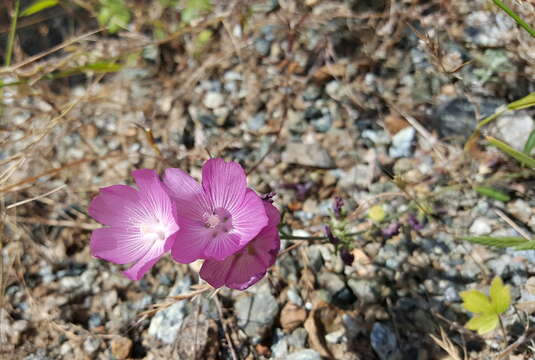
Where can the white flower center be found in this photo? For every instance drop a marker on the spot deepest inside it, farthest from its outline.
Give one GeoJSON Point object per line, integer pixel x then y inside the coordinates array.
{"type": "Point", "coordinates": [212, 221]}
{"type": "Point", "coordinates": [154, 230]}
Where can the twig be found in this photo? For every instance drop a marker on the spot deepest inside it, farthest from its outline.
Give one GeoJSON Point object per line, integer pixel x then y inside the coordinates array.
{"type": "Point", "coordinates": [227, 336]}
{"type": "Point", "coordinates": [504, 333]}
{"type": "Point", "coordinates": [525, 337]}
{"type": "Point", "coordinates": [511, 223]}
{"type": "Point", "coordinates": [35, 197]}
{"type": "Point", "coordinates": [62, 223]}
{"type": "Point", "coordinates": [9, 69]}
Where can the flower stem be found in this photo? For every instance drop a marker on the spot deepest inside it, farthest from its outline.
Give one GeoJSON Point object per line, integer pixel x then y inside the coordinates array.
{"type": "Point", "coordinates": [313, 238]}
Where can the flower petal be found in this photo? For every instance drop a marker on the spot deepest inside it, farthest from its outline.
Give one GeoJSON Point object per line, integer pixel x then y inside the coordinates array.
{"type": "Point", "coordinates": [148, 260]}
{"type": "Point", "coordinates": [224, 184]}
{"type": "Point", "coordinates": [216, 272]}
{"type": "Point", "coordinates": [246, 272]}
{"type": "Point", "coordinates": [222, 246]}
{"type": "Point", "coordinates": [250, 218]}
{"type": "Point", "coordinates": [118, 245]}
{"type": "Point", "coordinates": [110, 206]}
{"type": "Point", "coordinates": [191, 240]}
{"type": "Point", "coordinates": [250, 264]}
{"type": "Point", "coordinates": [187, 193]}
{"type": "Point", "coordinates": [155, 205]}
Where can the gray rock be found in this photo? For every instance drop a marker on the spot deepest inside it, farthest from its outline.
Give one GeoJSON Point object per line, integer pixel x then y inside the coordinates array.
{"type": "Point", "coordinates": [366, 291]}
{"type": "Point", "coordinates": [307, 354]}
{"type": "Point", "coordinates": [264, 6]}
{"type": "Point", "coordinates": [402, 143]}
{"type": "Point", "coordinates": [256, 313]}
{"type": "Point", "coordinates": [332, 283]}
{"type": "Point", "coordinates": [451, 295]}
{"type": "Point", "coordinates": [311, 155]}
{"type": "Point", "coordinates": [109, 299]}
{"type": "Point", "coordinates": [311, 93]}
{"type": "Point", "coordinates": [279, 350]}
{"type": "Point", "coordinates": [480, 226]}
{"type": "Point", "coordinates": [335, 337]}
{"type": "Point", "coordinates": [333, 89]}
{"type": "Point", "coordinates": [256, 122]}
{"type": "Point", "coordinates": [323, 124]}
{"type": "Point", "coordinates": [91, 344]}
{"type": "Point", "coordinates": [293, 296]}
{"type": "Point", "coordinates": [166, 323]}
{"type": "Point", "coordinates": [384, 342]}
{"type": "Point", "coordinates": [262, 46]}
{"type": "Point", "coordinates": [314, 256]}
{"type": "Point", "coordinates": [456, 118]}
{"type": "Point", "coordinates": [298, 338]}
{"type": "Point", "coordinates": [514, 128]}
{"type": "Point", "coordinates": [40, 354]}
{"type": "Point", "coordinates": [213, 100]}
{"type": "Point", "coordinates": [489, 29]}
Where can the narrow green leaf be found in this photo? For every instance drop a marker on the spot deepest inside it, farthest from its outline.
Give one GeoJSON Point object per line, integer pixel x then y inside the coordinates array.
{"type": "Point", "coordinates": [528, 245]}
{"type": "Point", "coordinates": [483, 323]}
{"type": "Point", "coordinates": [520, 157]}
{"type": "Point", "coordinates": [498, 241]}
{"type": "Point", "coordinates": [477, 302]}
{"type": "Point", "coordinates": [525, 102]}
{"type": "Point", "coordinates": [490, 118]}
{"type": "Point", "coordinates": [500, 295]}
{"type": "Point", "coordinates": [515, 17]}
{"type": "Point", "coordinates": [493, 193]}
{"type": "Point", "coordinates": [102, 66]}
{"type": "Point", "coordinates": [38, 6]}
{"type": "Point", "coordinates": [530, 143]}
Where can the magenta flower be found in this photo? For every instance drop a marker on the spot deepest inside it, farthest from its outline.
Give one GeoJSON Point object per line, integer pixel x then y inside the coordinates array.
{"type": "Point", "coordinates": [248, 265]}
{"type": "Point", "coordinates": [142, 224]}
{"type": "Point", "coordinates": [219, 217]}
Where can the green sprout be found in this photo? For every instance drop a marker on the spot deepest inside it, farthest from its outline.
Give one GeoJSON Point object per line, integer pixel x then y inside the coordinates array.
{"type": "Point", "coordinates": [487, 309]}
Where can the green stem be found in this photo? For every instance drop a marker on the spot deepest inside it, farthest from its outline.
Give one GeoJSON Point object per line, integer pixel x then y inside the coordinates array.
{"type": "Point", "coordinates": [515, 17]}
{"type": "Point", "coordinates": [12, 30]}
{"type": "Point", "coordinates": [312, 238]}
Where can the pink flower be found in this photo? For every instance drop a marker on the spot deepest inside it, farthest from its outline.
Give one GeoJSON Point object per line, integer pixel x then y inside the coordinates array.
{"type": "Point", "coordinates": [142, 224]}
{"type": "Point", "coordinates": [248, 265]}
{"type": "Point", "coordinates": [219, 217]}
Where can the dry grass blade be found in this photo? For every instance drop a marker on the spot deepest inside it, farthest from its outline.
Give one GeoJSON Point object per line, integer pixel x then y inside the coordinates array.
{"type": "Point", "coordinates": [174, 299]}
{"type": "Point", "coordinates": [32, 179]}
{"type": "Point", "coordinates": [35, 197]}
{"type": "Point", "coordinates": [10, 69]}
{"type": "Point", "coordinates": [446, 344]}
{"type": "Point", "coordinates": [62, 223]}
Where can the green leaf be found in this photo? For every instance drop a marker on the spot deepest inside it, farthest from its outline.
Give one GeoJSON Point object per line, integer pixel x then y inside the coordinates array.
{"type": "Point", "coordinates": [493, 193]}
{"type": "Point", "coordinates": [483, 323]}
{"type": "Point", "coordinates": [477, 302]}
{"type": "Point", "coordinates": [515, 17]}
{"type": "Point", "coordinates": [37, 6]}
{"type": "Point", "coordinates": [498, 241]}
{"type": "Point", "coordinates": [194, 9]}
{"type": "Point", "coordinates": [530, 143]}
{"type": "Point", "coordinates": [528, 245]}
{"type": "Point", "coordinates": [500, 295]}
{"type": "Point", "coordinates": [517, 155]}
{"type": "Point", "coordinates": [114, 15]}
{"type": "Point", "coordinates": [525, 102]}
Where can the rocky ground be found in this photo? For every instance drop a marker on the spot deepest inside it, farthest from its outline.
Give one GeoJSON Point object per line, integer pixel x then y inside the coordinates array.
{"type": "Point", "coordinates": [316, 99]}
